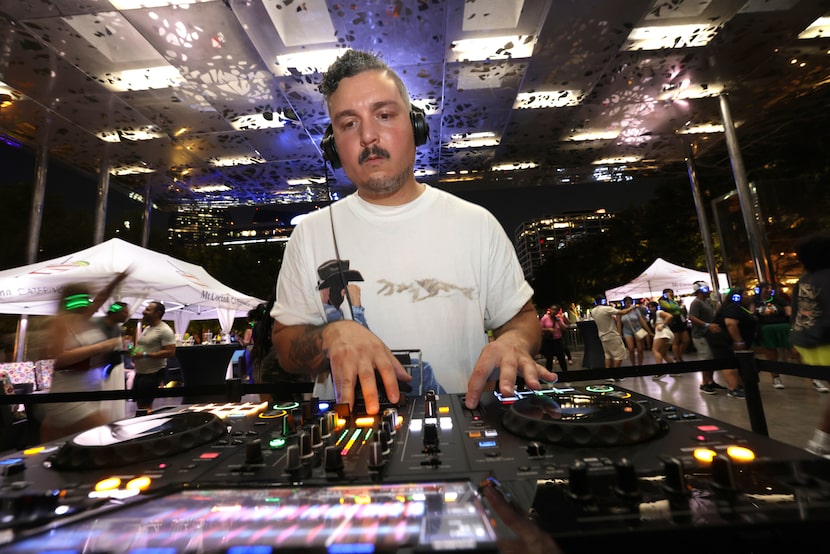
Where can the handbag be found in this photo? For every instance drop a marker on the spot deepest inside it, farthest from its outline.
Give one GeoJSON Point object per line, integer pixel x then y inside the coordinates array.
{"type": "Point", "coordinates": [641, 333]}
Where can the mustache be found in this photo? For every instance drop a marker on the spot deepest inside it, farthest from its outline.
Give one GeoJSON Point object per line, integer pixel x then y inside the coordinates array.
{"type": "Point", "coordinates": [373, 151]}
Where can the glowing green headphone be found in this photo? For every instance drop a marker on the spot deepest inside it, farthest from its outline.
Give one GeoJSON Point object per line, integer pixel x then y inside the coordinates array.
{"type": "Point", "coordinates": [76, 302]}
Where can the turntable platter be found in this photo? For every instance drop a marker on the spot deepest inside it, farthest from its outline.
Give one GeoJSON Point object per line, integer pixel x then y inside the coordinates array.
{"type": "Point", "coordinates": [581, 420]}
{"type": "Point", "coordinates": [138, 439]}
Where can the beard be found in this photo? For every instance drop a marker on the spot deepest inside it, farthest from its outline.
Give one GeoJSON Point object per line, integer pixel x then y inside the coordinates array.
{"type": "Point", "coordinates": [389, 184]}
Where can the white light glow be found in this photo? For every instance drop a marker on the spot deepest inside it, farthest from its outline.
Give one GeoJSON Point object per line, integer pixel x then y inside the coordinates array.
{"type": "Point", "coordinates": [306, 63]}
{"type": "Point", "coordinates": [592, 135]}
{"type": "Point", "coordinates": [117, 135]}
{"type": "Point", "coordinates": [135, 4]}
{"type": "Point", "coordinates": [670, 36]}
{"type": "Point", "coordinates": [514, 166]}
{"type": "Point", "coordinates": [216, 187]}
{"type": "Point", "coordinates": [703, 128]}
{"type": "Point", "coordinates": [131, 170]}
{"type": "Point", "coordinates": [820, 28]}
{"type": "Point", "coordinates": [495, 48]}
{"type": "Point", "coordinates": [258, 121]}
{"type": "Point", "coordinates": [235, 160]}
{"type": "Point", "coordinates": [474, 143]}
{"type": "Point", "coordinates": [144, 79]}
{"type": "Point", "coordinates": [617, 160]}
{"type": "Point", "coordinates": [547, 99]}
{"type": "Point", "coordinates": [687, 91]}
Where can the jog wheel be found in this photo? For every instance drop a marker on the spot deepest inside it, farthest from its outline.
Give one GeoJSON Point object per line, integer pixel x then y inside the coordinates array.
{"type": "Point", "coordinates": [581, 420]}
{"type": "Point", "coordinates": [139, 439]}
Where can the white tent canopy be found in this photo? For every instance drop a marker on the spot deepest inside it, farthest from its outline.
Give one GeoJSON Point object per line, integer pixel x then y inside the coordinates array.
{"type": "Point", "coordinates": [663, 275]}
{"type": "Point", "coordinates": [187, 290]}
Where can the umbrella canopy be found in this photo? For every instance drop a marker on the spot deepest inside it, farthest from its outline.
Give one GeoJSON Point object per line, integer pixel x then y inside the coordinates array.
{"type": "Point", "coordinates": [663, 275]}
{"type": "Point", "coordinates": [187, 290]}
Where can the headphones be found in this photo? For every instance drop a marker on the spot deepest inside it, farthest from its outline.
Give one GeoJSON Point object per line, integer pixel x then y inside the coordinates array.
{"type": "Point", "coordinates": [700, 286]}
{"type": "Point", "coordinates": [420, 129]}
{"type": "Point", "coordinates": [758, 291]}
{"type": "Point", "coordinates": [736, 294]}
{"type": "Point", "coordinates": [76, 301]}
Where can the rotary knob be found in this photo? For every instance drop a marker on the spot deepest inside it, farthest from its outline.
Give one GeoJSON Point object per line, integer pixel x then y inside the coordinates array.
{"type": "Point", "coordinates": [578, 486]}
{"type": "Point", "coordinates": [535, 449]}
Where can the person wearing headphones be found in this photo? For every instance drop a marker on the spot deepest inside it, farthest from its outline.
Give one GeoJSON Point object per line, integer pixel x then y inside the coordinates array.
{"type": "Point", "coordinates": [736, 317]}
{"type": "Point", "coordinates": [439, 272]}
{"type": "Point", "coordinates": [702, 315]}
{"type": "Point", "coordinates": [773, 325]}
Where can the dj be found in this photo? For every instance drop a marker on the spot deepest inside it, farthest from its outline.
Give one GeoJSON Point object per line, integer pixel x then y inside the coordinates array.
{"type": "Point", "coordinates": [437, 272]}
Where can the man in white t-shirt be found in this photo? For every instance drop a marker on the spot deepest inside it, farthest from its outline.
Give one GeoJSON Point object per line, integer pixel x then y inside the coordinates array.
{"type": "Point", "coordinates": [399, 264]}
{"type": "Point", "coordinates": [608, 327]}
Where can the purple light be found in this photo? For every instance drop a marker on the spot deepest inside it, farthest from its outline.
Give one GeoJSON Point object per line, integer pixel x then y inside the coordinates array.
{"type": "Point", "coordinates": [9, 141]}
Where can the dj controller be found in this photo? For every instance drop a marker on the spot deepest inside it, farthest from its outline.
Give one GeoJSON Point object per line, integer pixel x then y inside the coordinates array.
{"type": "Point", "coordinates": [590, 466]}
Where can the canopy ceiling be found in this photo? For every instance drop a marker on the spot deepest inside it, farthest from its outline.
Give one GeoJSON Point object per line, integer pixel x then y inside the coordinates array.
{"type": "Point", "coordinates": [206, 98]}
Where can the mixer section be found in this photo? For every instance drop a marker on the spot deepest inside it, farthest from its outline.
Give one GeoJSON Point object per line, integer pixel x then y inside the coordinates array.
{"type": "Point", "coordinates": [589, 464]}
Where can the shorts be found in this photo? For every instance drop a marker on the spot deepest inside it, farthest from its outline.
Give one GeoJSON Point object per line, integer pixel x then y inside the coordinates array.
{"type": "Point", "coordinates": [704, 352]}
{"type": "Point", "coordinates": [614, 348]}
{"type": "Point", "coordinates": [818, 355]}
{"type": "Point", "coordinates": [664, 333]}
{"type": "Point", "coordinates": [677, 325]}
{"type": "Point", "coordinates": [774, 335]}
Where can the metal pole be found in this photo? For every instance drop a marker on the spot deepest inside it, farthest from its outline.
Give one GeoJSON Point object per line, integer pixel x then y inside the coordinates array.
{"type": "Point", "coordinates": [35, 223]}
{"type": "Point", "coordinates": [745, 197]}
{"type": "Point", "coordinates": [703, 222]}
{"type": "Point", "coordinates": [101, 200]}
{"type": "Point", "coordinates": [148, 208]}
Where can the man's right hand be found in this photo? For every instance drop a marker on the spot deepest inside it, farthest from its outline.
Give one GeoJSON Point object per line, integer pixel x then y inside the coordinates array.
{"type": "Point", "coordinates": [354, 353]}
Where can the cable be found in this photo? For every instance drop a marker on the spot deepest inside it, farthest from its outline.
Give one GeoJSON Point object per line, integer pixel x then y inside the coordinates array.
{"type": "Point", "coordinates": [336, 248]}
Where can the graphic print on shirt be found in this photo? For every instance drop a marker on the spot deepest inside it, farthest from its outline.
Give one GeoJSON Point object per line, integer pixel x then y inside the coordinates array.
{"type": "Point", "coordinates": [336, 283]}
{"type": "Point", "coordinates": [809, 310]}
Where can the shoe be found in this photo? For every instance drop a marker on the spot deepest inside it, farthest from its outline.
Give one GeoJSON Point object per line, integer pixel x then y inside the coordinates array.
{"type": "Point", "coordinates": [708, 388]}
{"type": "Point", "coordinates": [776, 383]}
{"type": "Point", "coordinates": [820, 386]}
{"type": "Point", "coordinates": [737, 393]}
{"type": "Point", "coordinates": [717, 385]}
{"type": "Point", "coordinates": [658, 377]}
{"type": "Point", "coordinates": [614, 380]}
{"type": "Point", "coordinates": [814, 448]}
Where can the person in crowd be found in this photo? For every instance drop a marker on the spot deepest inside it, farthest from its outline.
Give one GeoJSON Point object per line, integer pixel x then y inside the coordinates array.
{"type": "Point", "coordinates": [553, 326]}
{"type": "Point", "coordinates": [810, 333]}
{"type": "Point", "coordinates": [566, 319]}
{"type": "Point", "coordinates": [773, 313]}
{"type": "Point", "coordinates": [635, 330]}
{"type": "Point", "coordinates": [81, 352]}
{"type": "Point", "coordinates": [702, 314]}
{"type": "Point", "coordinates": [247, 366]}
{"type": "Point", "coordinates": [112, 325]}
{"type": "Point", "coordinates": [608, 323]}
{"type": "Point", "coordinates": [155, 345]}
{"type": "Point", "coordinates": [736, 317]}
{"type": "Point", "coordinates": [681, 340]}
{"type": "Point", "coordinates": [663, 338]}
{"type": "Point", "coordinates": [439, 272]}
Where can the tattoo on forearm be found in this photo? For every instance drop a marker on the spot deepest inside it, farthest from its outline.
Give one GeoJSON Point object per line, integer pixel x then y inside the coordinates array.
{"type": "Point", "coordinates": [306, 350]}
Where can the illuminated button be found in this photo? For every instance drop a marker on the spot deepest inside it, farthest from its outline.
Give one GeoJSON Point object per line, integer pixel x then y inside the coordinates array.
{"type": "Point", "coordinates": [209, 456]}
{"type": "Point", "coordinates": [108, 484]}
{"type": "Point", "coordinates": [487, 444]}
{"type": "Point", "coordinates": [277, 443]}
{"type": "Point", "coordinates": [491, 433]}
{"type": "Point", "coordinates": [705, 455]}
{"type": "Point", "coordinates": [443, 409]}
{"type": "Point", "coordinates": [445, 422]}
{"type": "Point", "coordinates": [708, 428]}
{"type": "Point", "coordinates": [474, 434]}
{"type": "Point", "coordinates": [367, 421]}
{"type": "Point", "coordinates": [139, 483]}
{"type": "Point", "coordinates": [740, 454]}
{"type": "Point", "coordinates": [599, 388]}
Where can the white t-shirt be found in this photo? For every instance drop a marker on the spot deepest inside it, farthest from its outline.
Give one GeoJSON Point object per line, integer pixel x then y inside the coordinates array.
{"type": "Point", "coordinates": [434, 275]}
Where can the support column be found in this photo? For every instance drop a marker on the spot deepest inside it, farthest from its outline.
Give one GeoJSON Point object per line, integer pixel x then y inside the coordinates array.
{"type": "Point", "coordinates": [35, 223]}
{"type": "Point", "coordinates": [148, 212]}
{"type": "Point", "coordinates": [751, 215]}
{"type": "Point", "coordinates": [703, 222]}
{"type": "Point", "coordinates": [103, 196]}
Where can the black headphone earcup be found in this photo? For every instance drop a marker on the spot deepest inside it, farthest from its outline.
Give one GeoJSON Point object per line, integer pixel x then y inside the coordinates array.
{"type": "Point", "coordinates": [329, 148]}
{"type": "Point", "coordinates": [420, 127]}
